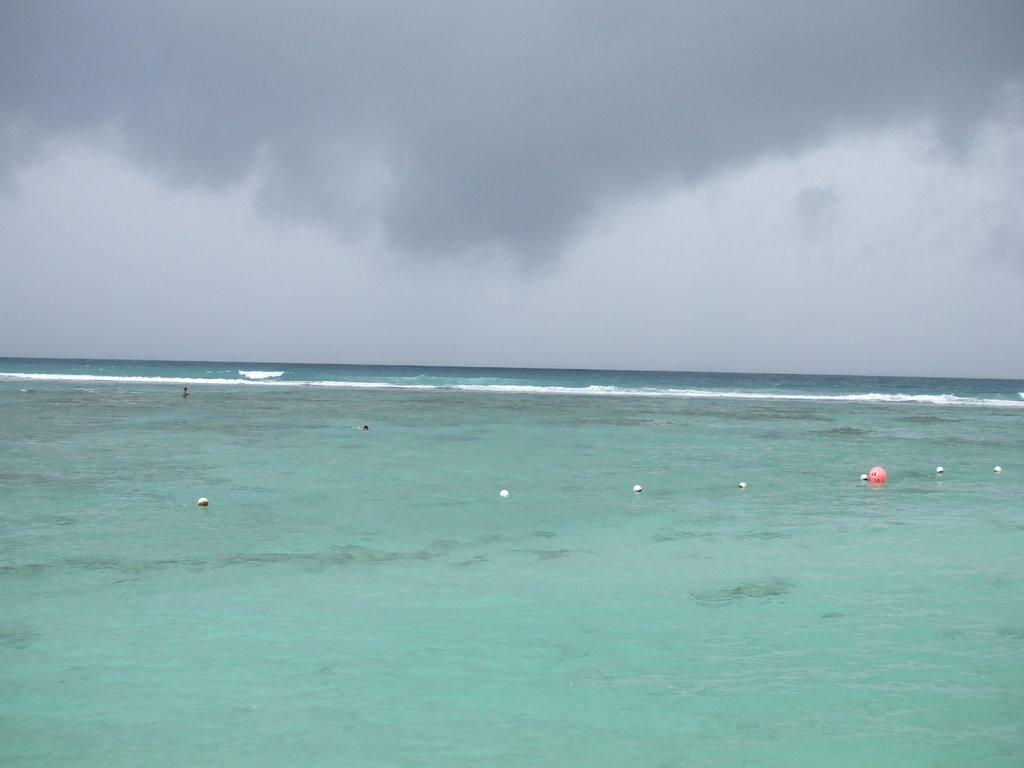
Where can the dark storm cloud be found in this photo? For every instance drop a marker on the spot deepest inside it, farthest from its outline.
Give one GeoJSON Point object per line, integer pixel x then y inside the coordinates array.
{"type": "Point", "coordinates": [465, 125]}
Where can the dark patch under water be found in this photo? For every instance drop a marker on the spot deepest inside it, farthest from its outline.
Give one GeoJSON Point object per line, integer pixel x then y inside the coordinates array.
{"type": "Point", "coordinates": [549, 554]}
{"type": "Point", "coordinates": [478, 560]}
{"type": "Point", "coordinates": [339, 555]}
{"type": "Point", "coordinates": [769, 414]}
{"type": "Point", "coordinates": [763, 535]}
{"type": "Point", "coordinates": [677, 534]}
{"type": "Point", "coordinates": [747, 590]}
{"type": "Point", "coordinates": [928, 419]}
{"type": "Point", "coordinates": [17, 635]}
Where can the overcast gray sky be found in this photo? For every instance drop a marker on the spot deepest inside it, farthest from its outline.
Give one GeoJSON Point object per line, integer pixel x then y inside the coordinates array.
{"type": "Point", "coordinates": [791, 186]}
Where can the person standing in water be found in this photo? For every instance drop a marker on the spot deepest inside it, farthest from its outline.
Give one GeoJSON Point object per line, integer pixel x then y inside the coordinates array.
{"type": "Point", "coordinates": [184, 392]}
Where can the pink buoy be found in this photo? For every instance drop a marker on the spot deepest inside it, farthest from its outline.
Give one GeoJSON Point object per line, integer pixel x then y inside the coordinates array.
{"type": "Point", "coordinates": [876, 476]}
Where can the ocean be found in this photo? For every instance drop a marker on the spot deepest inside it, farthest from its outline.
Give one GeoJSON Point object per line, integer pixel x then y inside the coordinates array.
{"type": "Point", "coordinates": [370, 597]}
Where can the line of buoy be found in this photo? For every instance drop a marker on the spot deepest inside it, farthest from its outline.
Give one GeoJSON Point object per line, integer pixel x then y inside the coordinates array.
{"type": "Point", "coordinates": [877, 476]}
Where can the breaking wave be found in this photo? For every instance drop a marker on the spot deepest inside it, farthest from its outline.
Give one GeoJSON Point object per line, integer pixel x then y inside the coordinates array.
{"type": "Point", "coordinates": [259, 378]}
{"type": "Point", "coordinates": [260, 375]}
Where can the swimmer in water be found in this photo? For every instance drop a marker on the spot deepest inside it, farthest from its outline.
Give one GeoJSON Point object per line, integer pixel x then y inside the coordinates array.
{"type": "Point", "coordinates": [184, 392]}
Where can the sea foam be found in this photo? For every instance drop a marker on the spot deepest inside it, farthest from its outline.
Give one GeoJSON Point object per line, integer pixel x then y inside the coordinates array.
{"type": "Point", "coordinates": [265, 378]}
{"type": "Point", "coordinates": [259, 375]}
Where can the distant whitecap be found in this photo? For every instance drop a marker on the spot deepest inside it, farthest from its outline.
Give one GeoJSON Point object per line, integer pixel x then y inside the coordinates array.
{"type": "Point", "coordinates": [257, 375]}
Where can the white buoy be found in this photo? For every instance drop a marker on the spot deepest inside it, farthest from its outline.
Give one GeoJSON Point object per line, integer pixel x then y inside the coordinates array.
{"type": "Point", "coordinates": [997, 469]}
{"type": "Point", "coordinates": [863, 477]}
{"type": "Point", "coordinates": [637, 489]}
{"type": "Point", "coordinates": [939, 470]}
{"type": "Point", "coordinates": [742, 485]}
{"type": "Point", "coordinates": [203, 501]}
{"type": "Point", "coordinates": [503, 493]}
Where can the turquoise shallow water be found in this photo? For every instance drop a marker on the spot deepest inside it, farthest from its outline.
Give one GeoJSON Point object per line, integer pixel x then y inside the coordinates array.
{"type": "Point", "coordinates": [367, 598]}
